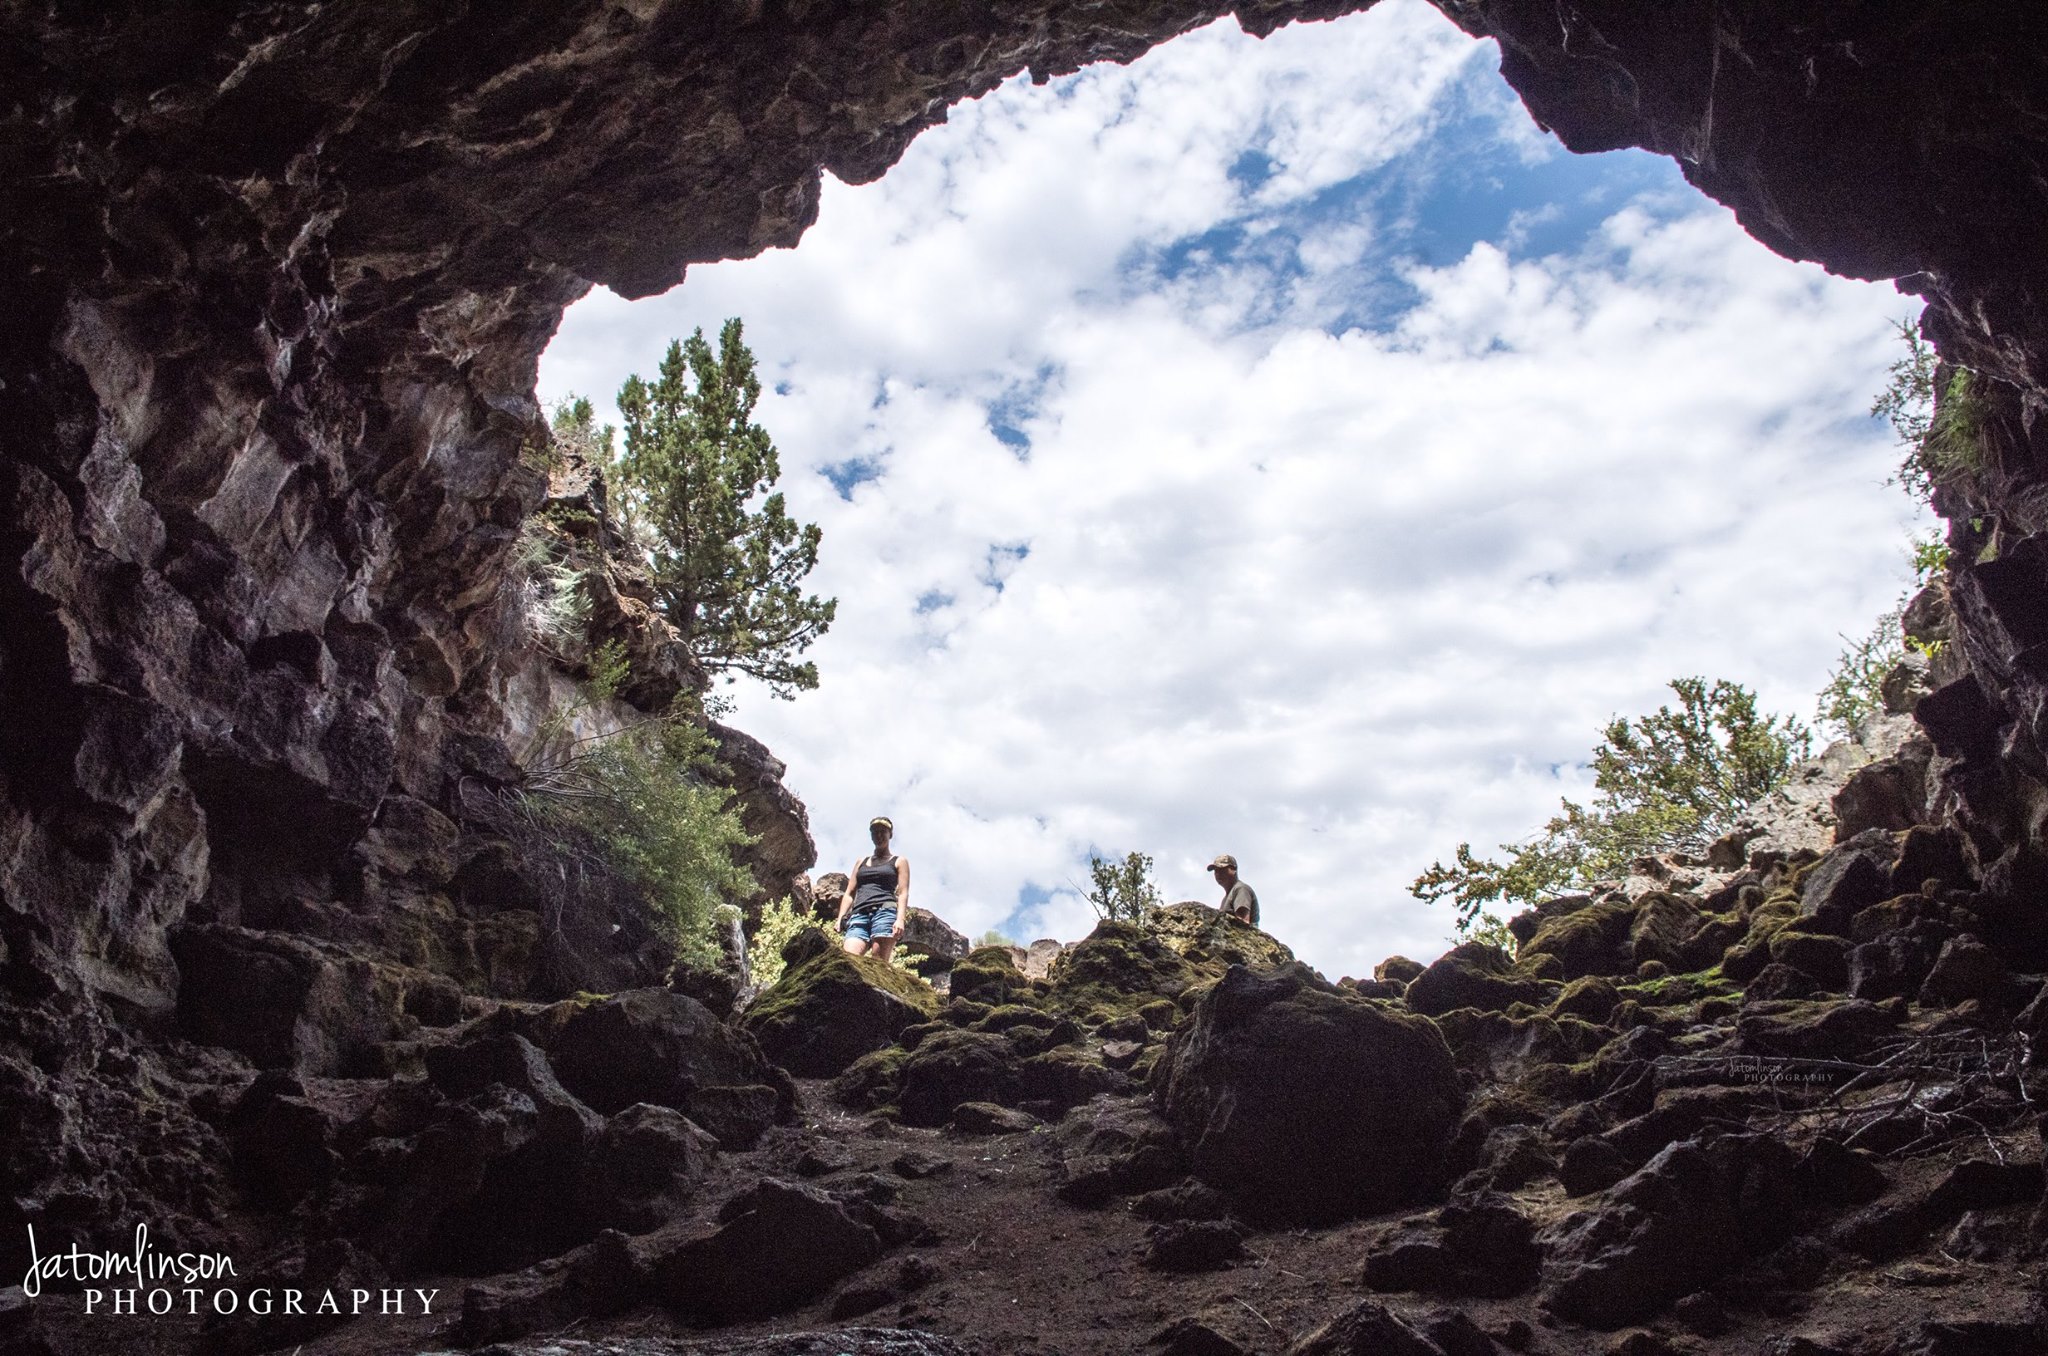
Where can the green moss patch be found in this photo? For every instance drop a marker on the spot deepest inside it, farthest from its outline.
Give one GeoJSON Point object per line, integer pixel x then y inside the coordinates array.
{"type": "Point", "coordinates": [1591, 997]}
{"type": "Point", "coordinates": [826, 1013]}
{"type": "Point", "coordinates": [1588, 941]}
{"type": "Point", "coordinates": [1212, 941]}
{"type": "Point", "coordinates": [1118, 969]}
{"type": "Point", "coordinates": [989, 974]}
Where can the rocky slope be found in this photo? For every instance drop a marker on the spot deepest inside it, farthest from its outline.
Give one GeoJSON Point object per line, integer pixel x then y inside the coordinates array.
{"type": "Point", "coordinates": [1780, 1100]}
{"type": "Point", "coordinates": [278, 276]}
{"type": "Point", "coordinates": [1783, 1099]}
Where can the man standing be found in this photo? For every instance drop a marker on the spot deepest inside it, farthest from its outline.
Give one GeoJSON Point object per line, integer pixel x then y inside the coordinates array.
{"type": "Point", "coordinates": [1238, 898]}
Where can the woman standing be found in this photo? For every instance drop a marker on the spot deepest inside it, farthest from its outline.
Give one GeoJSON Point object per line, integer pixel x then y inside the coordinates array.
{"type": "Point", "coordinates": [876, 904]}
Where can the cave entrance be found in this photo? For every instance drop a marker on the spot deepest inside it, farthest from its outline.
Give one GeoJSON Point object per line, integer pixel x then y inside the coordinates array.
{"type": "Point", "coordinates": [1281, 447]}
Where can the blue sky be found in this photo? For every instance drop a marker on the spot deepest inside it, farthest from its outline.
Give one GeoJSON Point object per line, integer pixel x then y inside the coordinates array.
{"type": "Point", "coordinates": [1280, 448]}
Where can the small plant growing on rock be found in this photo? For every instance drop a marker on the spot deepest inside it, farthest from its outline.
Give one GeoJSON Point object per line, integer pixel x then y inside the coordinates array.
{"type": "Point", "coordinates": [1855, 687]}
{"type": "Point", "coordinates": [1943, 435]}
{"type": "Point", "coordinates": [608, 668]}
{"type": "Point", "coordinates": [550, 591]}
{"type": "Point", "coordinates": [1487, 927]}
{"type": "Point", "coordinates": [1123, 891]}
{"type": "Point", "coordinates": [1854, 691]}
{"type": "Point", "coordinates": [781, 921]}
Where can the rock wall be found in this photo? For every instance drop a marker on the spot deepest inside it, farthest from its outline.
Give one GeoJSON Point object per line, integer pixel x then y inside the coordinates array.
{"type": "Point", "coordinates": [278, 277]}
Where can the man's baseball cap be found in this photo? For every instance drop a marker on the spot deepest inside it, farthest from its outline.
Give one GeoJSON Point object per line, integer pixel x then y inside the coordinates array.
{"type": "Point", "coordinates": [1224, 859]}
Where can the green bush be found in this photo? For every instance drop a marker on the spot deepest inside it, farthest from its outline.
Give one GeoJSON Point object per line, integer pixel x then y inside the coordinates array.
{"type": "Point", "coordinates": [550, 591]}
{"type": "Point", "coordinates": [1672, 781]}
{"type": "Point", "coordinates": [1123, 891]}
{"type": "Point", "coordinates": [640, 801]}
{"type": "Point", "coordinates": [1487, 927]}
{"type": "Point", "coordinates": [1855, 686]}
{"type": "Point", "coordinates": [1939, 421]}
{"type": "Point", "coordinates": [781, 921]}
{"type": "Point", "coordinates": [1854, 692]}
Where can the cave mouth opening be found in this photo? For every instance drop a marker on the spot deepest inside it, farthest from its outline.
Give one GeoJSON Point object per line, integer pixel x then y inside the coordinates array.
{"type": "Point", "coordinates": [1282, 446]}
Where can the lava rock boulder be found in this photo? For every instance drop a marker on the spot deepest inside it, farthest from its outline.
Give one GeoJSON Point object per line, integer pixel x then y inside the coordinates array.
{"type": "Point", "coordinates": [827, 1012]}
{"type": "Point", "coordinates": [1474, 975]}
{"type": "Point", "coordinates": [1305, 1103]}
{"type": "Point", "coordinates": [653, 1045]}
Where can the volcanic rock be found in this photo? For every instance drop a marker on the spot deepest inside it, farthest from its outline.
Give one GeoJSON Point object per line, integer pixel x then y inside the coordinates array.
{"type": "Point", "coordinates": [1306, 1103]}
{"type": "Point", "coordinates": [779, 1244]}
{"type": "Point", "coordinates": [655, 1046]}
{"type": "Point", "coordinates": [831, 1009]}
{"type": "Point", "coordinates": [1473, 975]}
{"type": "Point", "coordinates": [1686, 1216]}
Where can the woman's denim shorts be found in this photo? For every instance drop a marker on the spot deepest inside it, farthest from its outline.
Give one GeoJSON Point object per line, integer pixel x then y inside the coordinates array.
{"type": "Point", "coordinates": [871, 925]}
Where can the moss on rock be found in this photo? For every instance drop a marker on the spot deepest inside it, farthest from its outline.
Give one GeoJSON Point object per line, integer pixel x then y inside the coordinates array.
{"type": "Point", "coordinates": [1066, 1076]}
{"type": "Point", "coordinates": [1116, 969]}
{"type": "Point", "coordinates": [1035, 1040]}
{"type": "Point", "coordinates": [989, 974]}
{"type": "Point", "coordinates": [826, 1013]}
{"type": "Point", "coordinates": [1212, 941]}
{"type": "Point", "coordinates": [1820, 955]}
{"type": "Point", "coordinates": [1590, 996]}
{"type": "Point", "coordinates": [1397, 970]}
{"type": "Point", "coordinates": [1474, 975]}
{"type": "Point", "coordinates": [1306, 1103]}
{"type": "Point", "coordinates": [924, 1085]}
{"type": "Point", "coordinates": [869, 1083]}
{"type": "Point", "coordinates": [964, 1011]}
{"type": "Point", "coordinates": [1744, 960]}
{"type": "Point", "coordinates": [1592, 940]}
{"type": "Point", "coordinates": [1676, 990]}
{"type": "Point", "coordinates": [1711, 940]}
{"type": "Point", "coordinates": [1161, 1014]}
{"type": "Point", "coordinates": [1662, 924]}
{"type": "Point", "coordinates": [1012, 1015]}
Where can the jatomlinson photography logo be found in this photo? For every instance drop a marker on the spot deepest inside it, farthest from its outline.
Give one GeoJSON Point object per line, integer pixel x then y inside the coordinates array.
{"type": "Point", "coordinates": [149, 1280]}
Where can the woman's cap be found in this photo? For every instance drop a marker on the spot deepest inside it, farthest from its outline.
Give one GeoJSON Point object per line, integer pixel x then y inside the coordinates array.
{"type": "Point", "coordinates": [883, 820]}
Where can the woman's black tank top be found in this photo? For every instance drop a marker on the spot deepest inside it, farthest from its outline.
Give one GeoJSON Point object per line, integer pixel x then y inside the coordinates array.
{"type": "Point", "coordinates": [875, 884]}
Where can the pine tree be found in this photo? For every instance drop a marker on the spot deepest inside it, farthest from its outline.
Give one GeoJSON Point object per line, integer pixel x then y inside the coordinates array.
{"type": "Point", "coordinates": [1669, 782]}
{"type": "Point", "coordinates": [728, 575]}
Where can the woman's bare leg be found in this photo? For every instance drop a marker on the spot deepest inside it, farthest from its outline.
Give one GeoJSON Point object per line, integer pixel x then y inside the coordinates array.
{"type": "Point", "coordinates": [856, 946]}
{"type": "Point", "coordinates": [885, 947]}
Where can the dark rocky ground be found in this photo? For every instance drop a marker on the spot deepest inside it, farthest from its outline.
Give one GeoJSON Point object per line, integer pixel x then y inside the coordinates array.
{"type": "Point", "coordinates": [1186, 1142]}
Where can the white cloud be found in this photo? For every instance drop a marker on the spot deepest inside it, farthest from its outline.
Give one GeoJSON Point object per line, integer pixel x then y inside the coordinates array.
{"type": "Point", "coordinates": [1330, 601]}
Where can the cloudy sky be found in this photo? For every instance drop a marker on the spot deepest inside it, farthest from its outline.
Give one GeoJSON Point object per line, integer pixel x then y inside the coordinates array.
{"type": "Point", "coordinates": [1280, 448]}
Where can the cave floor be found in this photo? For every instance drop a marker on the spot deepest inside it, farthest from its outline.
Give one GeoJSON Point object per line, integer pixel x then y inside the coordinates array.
{"type": "Point", "coordinates": [1019, 1272]}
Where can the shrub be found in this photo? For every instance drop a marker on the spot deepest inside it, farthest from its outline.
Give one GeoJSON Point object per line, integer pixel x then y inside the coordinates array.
{"type": "Point", "coordinates": [1487, 927]}
{"type": "Point", "coordinates": [780, 922]}
{"type": "Point", "coordinates": [1939, 419]}
{"type": "Point", "coordinates": [1123, 891]}
{"type": "Point", "coordinates": [550, 592]}
{"type": "Point", "coordinates": [1854, 691]}
{"type": "Point", "coordinates": [639, 800]}
{"type": "Point", "coordinates": [1855, 687]}
{"type": "Point", "coordinates": [1669, 782]}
